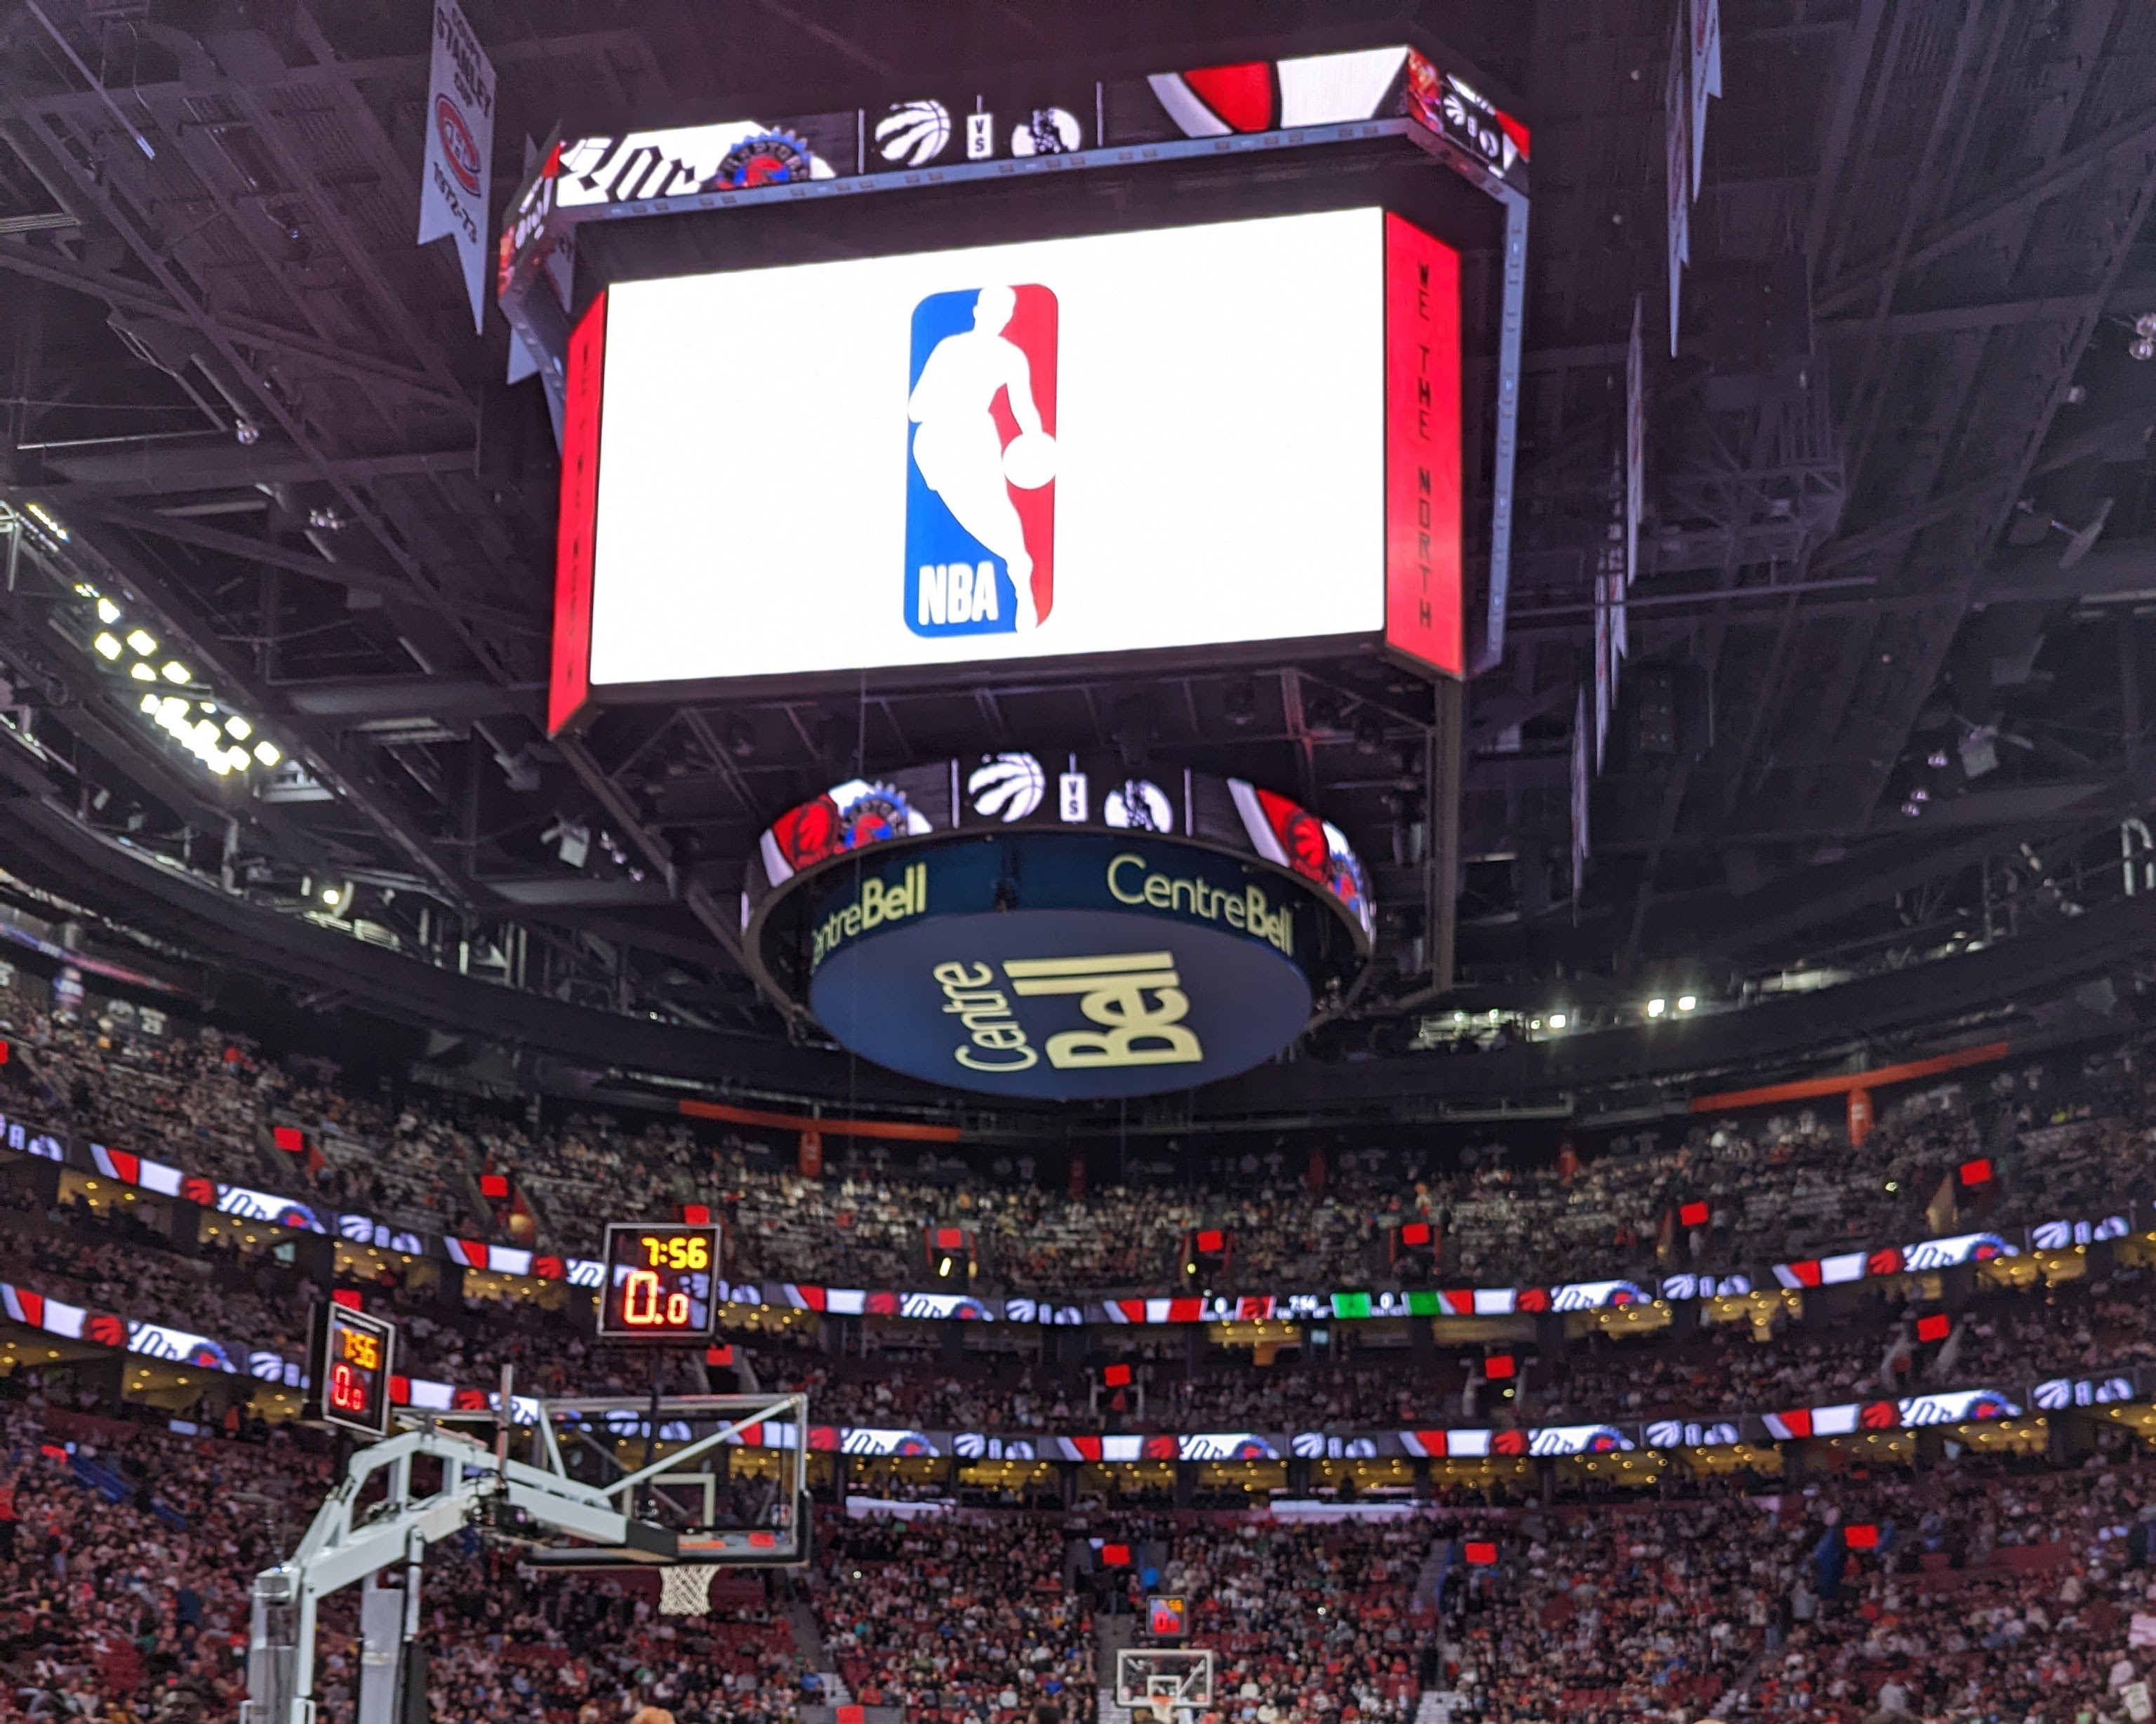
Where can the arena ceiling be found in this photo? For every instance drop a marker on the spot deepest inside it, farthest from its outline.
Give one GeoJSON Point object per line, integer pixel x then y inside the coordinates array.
{"type": "Point", "coordinates": [1886, 690]}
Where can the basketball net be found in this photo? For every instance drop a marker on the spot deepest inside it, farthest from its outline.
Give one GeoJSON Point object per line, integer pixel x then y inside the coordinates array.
{"type": "Point", "coordinates": [685, 1588]}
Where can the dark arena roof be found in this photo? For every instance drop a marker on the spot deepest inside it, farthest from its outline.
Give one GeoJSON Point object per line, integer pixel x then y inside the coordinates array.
{"type": "Point", "coordinates": [990, 863]}
{"type": "Point", "coordinates": [1872, 751]}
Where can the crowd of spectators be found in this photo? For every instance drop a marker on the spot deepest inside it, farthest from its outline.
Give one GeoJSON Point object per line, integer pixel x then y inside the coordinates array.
{"type": "Point", "coordinates": [1972, 1592]}
{"type": "Point", "coordinates": [2003, 1339]}
{"type": "Point", "coordinates": [1306, 1624]}
{"type": "Point", "coordinates": [125, 1567]}
{"type": "Point", "coordinates": [1296, 1216]}
{"type": "Point", "coordinates": [505, 1644]}
{"type": "Point", "coordinates": [972, 1622]}
{"type": "Point", "coordinates": [1966, 1594]}
{"type": "Point", "coordinates": [2006, 1340]}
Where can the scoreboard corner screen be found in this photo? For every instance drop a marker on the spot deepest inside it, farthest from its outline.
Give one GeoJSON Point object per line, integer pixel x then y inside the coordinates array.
{"type": "Point", "coordinates": [352, 1357]}
{"type": "Point", "coordinates": [661, 1282]}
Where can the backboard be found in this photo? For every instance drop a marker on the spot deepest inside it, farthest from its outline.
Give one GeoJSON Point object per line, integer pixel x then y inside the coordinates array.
{"type": "Point", "coordinates": [711, 1479]}
{"type": "Point", "coordinates": [1164, 1679]}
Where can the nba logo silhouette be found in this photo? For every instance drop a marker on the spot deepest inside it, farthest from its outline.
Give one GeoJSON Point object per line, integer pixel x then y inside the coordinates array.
{"type": "Point", "coordinates": [980, 470]}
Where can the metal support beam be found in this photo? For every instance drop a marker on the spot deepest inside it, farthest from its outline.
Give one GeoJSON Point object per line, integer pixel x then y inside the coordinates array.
{"type": "Point", "coordinates": [183, 530]}
{"type": "Point", "coordinates": [127, 572]}
{"type": "Point", "coordinates": [1973, 219]}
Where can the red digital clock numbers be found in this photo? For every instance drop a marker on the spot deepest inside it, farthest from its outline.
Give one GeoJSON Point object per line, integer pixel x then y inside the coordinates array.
{"type": "Point", "coordinates": [661, 1282]}
{"type": "Point", "coordinates": [645, 1303]}
{"type": "Point", "coordinates": [351, 1370]}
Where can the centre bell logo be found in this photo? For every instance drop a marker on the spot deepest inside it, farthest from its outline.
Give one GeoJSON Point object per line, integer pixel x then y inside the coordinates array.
{"type": "Point", "coordinates": [980, 471]}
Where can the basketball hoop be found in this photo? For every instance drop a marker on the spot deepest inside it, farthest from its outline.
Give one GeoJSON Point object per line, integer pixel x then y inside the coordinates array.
{"type": "Point", "coordinates": [685, 1588]}
{"type": "Point", "coordinates": [1162, 1683]}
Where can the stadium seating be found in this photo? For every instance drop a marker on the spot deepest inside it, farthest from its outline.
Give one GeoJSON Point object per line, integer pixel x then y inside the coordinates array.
{"type": "Point", "coordinates": [1787, 1188]}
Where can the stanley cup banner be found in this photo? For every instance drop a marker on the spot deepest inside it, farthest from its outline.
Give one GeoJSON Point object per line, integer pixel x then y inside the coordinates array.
{"type": "Point", "coordinates": [1706, 76]}
{"type": "Point", "coordinates": [1676, 129]}
{"type": "Point", "coordinates": [459, 123]}
{"type": "Point", "coordinates": [1635, 444]}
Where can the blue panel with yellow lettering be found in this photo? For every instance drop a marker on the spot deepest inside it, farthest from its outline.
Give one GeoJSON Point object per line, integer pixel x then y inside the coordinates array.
{"type": "Point", "coordinates": [1062, 967]}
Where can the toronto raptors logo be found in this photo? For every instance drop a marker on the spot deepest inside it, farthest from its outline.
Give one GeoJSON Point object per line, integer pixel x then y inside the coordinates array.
{"type": "Point", "coordinates": [770, 158]}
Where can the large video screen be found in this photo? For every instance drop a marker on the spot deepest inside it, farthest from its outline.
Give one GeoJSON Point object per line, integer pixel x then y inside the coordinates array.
{"type": "Point", "coordinates": [1170, 439]}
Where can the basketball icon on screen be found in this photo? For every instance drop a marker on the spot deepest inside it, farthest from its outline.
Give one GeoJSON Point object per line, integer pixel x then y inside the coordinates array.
{"type": "Point", "coordinates": [980, 487]}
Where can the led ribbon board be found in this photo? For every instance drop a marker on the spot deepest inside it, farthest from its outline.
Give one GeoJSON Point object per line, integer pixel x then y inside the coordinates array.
{"type": "Point", "coordinates": [1225, 435]}
{"type": "Point", "coordinates": [661, 1282]}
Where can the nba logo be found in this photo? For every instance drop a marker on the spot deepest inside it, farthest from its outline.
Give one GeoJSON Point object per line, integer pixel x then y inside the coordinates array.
{"type": "Point", "coordinates": [980, 471]}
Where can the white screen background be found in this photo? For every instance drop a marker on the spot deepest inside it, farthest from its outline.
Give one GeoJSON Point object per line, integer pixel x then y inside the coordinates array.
{"type": "Point", "coordinates": [1221, 432]}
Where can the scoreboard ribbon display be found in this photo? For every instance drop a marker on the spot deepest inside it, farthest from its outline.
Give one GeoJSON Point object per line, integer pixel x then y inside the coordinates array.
{"type": "Point", "coordinates": [661, 1282]}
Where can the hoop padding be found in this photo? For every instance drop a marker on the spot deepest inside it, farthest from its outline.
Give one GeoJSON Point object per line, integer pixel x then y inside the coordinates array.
{"type": "Point", "coordinates": [685, 1588]}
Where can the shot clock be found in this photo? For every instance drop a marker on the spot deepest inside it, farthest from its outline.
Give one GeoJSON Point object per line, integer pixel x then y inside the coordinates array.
{"type": "Point", "coordinates": [661, 1281]}
{"type": "Point", "coordinates": [349, 1382]}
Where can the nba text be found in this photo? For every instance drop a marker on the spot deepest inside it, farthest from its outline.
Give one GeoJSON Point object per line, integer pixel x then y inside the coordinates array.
{"type": "Point", "coordinates": [956, 593]}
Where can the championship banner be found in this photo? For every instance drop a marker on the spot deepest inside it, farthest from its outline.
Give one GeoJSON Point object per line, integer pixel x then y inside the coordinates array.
{"type": "Point", "coordinates": [459, 156]}
{"type": "Point", "coordinates": [1580, 777]}
{"type": "Point", "coordinates": [1676, 161]}
{"type": "Point", "coordinates": [1706, 76]}
{"type": "Point", "coordinates": [1635, 441]}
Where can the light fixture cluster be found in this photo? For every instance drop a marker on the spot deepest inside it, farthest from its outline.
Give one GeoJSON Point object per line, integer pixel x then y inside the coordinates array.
{"type": "Point", "coordinates": [224, 742]}
{"type": "Point", "coordinates": [218, 740]}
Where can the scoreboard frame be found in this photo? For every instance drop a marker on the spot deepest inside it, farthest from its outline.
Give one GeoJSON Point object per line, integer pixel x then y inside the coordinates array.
{"type": "Point", "coordinates": [338, 1331]}
{"type": "Point", "coordinates": [618, 1288]}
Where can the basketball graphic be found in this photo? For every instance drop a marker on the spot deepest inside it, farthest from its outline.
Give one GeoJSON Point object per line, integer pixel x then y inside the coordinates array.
{"type": "Point", "coordinates": [913, 133]}
{"type": "Point", "coordinates": [1008, 787]}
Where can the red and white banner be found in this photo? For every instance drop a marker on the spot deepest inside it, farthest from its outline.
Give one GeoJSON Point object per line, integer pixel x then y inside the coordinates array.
{"type": "Point", "coordinates": [1677, 163]}
{"type": "Point", "coordinates": [459, 155]}
{"type": "Point", "coordinates": [1705, 74]}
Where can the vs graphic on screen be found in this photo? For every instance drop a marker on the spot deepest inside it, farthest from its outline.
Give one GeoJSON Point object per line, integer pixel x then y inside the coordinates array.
{"type": "Point", "coordinates": [980, 481]}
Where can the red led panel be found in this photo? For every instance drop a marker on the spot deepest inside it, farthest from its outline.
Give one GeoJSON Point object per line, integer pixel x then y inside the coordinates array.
{"type": "Point", "coordinates": [1423, 620]}
{"type": "Point", "coordinates": [1481, 1553]}
{"type": "Point", "coordinates": [1115, 1555]}
{"type": "Point", "coordinates": [1693, 1215]}
{"type": "Point", "coordinates": [1500, 1367]}
{"type": "Point", "coordinates": [290, 1139]}
{"type": "Point", "coordinates": [569, 685]}
{"type": "Point", "coordinates": [950, 1238]}
{"type": "Point", "coordinates": [1115, 1377]}
{"type": "Point", "coordinates": [1937, 1327]}
{"type": "Point", "coordinates": [348, 1298]}
{"type": "Point", "coordinates": [1860, 1536]}
{"type": "Point", "coordinates": [1976, 1172]}
{"type": "Point", "coordinates": [1416, 1233]}
{"type": "Point", "coordinates": [493, 1185]}
{"type": "Point", "coordinates": [695, 1215]}
{"type": "Point", "coordinates": [1211, 1240]}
